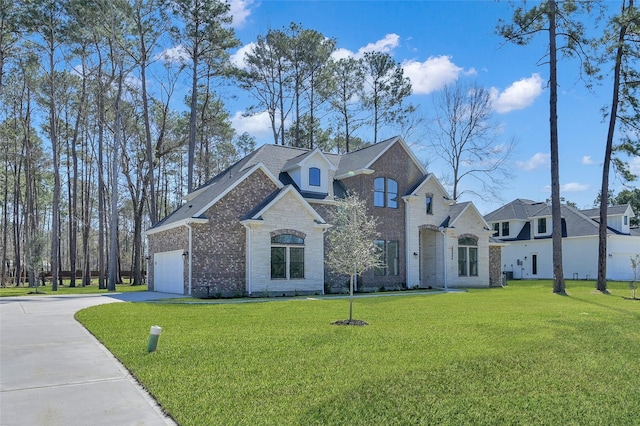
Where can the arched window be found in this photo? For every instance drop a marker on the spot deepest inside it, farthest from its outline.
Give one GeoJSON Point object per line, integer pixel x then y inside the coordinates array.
{"type": "Point", "coordinates": [287, 256]}
{"type": "Point", "coordinates": [467, 256]}
{"type": "Point", "coordinates": [385, 193]}
{"type": "Point", "coordinates": [314, 176]}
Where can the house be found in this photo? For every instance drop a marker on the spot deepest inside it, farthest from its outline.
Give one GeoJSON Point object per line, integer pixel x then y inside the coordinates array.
{"type": "Point", "coordinates": [526, 227]}
{"type": "Point", "coordinates": [259, 226]}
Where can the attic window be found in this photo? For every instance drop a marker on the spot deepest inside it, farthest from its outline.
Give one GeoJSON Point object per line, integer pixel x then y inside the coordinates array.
{"type": "Point", "coordinates": [314, 176]}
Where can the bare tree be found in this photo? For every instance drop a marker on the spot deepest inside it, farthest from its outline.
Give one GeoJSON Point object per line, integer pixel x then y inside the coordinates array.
{"type": "Point", "coordinates": [465, 137]}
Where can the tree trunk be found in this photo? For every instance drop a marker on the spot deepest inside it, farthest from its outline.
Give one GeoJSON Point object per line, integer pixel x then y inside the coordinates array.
{"type": "Point", "coordinates": [604, 189]}
{"type": "Point", "coordinates": [556, 212]}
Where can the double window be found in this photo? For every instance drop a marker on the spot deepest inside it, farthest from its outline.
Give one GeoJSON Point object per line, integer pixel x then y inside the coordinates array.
{"type": "Point", "coordinates": [385, 193]}
{"type": "Point", "coordinates": [388, 258]}
{"type": "Point", "coordinates": [287, 257]}
{"type": "Point", "coordinates": [467, 257]}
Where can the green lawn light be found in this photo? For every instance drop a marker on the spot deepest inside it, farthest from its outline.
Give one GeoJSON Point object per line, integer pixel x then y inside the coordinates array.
{"type": "Point", "coordinates": [153, 338]}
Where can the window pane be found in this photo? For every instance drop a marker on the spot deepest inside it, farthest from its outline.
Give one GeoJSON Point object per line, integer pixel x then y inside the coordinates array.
{"type": "Point", "coordinates": [429, 205]}
{"type": "Point", "coordinates": [278, 262]}
{"type": "Point", "coordinates": [314, 176]}
{"type": "Point", "coordinates": [392, 194]}
{"type": "Point", "coordinates": [287, 239]}
{"type": "Point", "coordinates": [505, 229]}
{"type": "Point", "coordinates": [379, 271]}
{"type": "Point", "coordinates": [462, 261]}
{"type": "Point", "coordinates": [473, 261]}
{"type": "Point", "coordinates": [296, 262]}
{"type": "Point", "coordinates": [378, 192]}
{"type": "Point", "coordinates": [467, 241]}
{"type": "Point", "coordinates": [542, 225]}
{"type": "Point", "coordinates": [392, 258]}
{"type": "Point", "coordinates": [496, 229]}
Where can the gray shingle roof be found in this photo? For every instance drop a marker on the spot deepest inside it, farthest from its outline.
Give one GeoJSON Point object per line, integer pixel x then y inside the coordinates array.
{"type": "Point", "coordinates": [575, 223]}
{"type": "Point", "coordinates": [362, 158]}
{"type": "Point", "coordinates": [611, 210]}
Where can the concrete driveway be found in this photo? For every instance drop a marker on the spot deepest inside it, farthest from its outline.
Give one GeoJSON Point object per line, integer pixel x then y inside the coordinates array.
{"type": "Point", "coordinates": [54, 372]}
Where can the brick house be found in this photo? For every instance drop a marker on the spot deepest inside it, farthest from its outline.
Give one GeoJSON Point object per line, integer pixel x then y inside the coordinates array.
{"type": "Point", "coordinates": [259, 227]}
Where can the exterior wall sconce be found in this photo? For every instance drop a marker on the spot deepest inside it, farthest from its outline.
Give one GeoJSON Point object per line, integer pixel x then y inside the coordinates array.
{"type": "Point", "coordinates": [185, 254]}
{"type": "Point", "coordinates": [415, 254]}
{"type": "Point", "coordinates": [525, 258]}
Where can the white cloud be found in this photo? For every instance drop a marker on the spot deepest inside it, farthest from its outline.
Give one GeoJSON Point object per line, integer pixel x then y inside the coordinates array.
{"type": "Point", "coordinates": [586, 160]}
{"type": "Point", "coordinates": [519, 95]}
{"type": "Point", "coordinates": [257, 125]}
{"type": "Point", "coordinates": [538, 160]}
{"type": "Point", "coordinates": [237, 58]}
{"type": "Point", "coordinates": [574, 187]}
{"type": "Point", "coordinates": [432, 74]}
{"type": "Point", "coordinates": [177, 54]}
{"type": "Point", "coordinates": [240, 10]}
{"type": "Point", "coordinates": [384, 45]}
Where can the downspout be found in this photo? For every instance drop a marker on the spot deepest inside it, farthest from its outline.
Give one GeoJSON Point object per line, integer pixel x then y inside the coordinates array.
{"type": "Point", "coordinates": [444, 256]}
{"type": "Point", "coordinates": [190, 257]}
{"type": "Point", "coordinates": [248, 273]}
{"type": "Point", "coordinates": [407, 236]}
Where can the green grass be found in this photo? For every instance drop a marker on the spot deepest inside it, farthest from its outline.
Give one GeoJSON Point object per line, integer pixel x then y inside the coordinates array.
{"type": "Point", "coordinates": [65, 289]}
{"type": "Point", "coordinates": [518, 355]}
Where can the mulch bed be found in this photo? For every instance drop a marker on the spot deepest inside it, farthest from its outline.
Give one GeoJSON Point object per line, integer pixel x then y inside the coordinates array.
{"type": "Point", "coordinates": [350, 322]}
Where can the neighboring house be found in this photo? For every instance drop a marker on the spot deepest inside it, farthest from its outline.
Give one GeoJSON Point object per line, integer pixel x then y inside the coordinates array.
{"type": "Point", "coordinates": [259, 227]}
{"type": "Point", "coordinates": [526, 227]}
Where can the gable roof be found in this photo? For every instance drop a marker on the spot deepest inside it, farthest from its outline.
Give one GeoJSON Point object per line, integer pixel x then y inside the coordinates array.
{"type": "Point", "coordinates": [360, 161]}
{"type": "Point", "coordinates": [458, 210]}
{"type": "Point", "coordinates": [575, 223]}
{"type": "Point", "coordinates": [618, 210]}
{"type": "Point", "coordinates": [257, 212]}
{"type": "Point", "coordinates": [299, 160]}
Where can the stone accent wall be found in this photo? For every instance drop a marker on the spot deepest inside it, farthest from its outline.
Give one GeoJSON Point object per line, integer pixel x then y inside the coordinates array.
{"type": "Point", "coordinates": [219, 246]}
{"type": "Point", "coordinates": [289, 212]}
{"type": "Point", "coordinates": [495, 266]}
{"type": "Point", "coordinates": [169, 240]}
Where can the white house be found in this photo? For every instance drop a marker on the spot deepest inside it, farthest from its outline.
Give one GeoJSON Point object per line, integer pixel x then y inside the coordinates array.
{"type": "Point", "coordinates": [526, 226]}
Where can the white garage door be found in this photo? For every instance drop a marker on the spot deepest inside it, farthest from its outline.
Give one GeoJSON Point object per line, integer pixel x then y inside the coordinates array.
{"type": "Point", "coordinates": [168, 272]}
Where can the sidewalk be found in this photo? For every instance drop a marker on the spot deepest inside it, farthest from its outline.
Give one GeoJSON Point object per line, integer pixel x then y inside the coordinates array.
{"type": "Point", "coordinates": [54, 372]}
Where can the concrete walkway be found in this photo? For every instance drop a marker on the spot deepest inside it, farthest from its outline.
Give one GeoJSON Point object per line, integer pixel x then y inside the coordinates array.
{"type": "Point", "coordinates": [54, 372]}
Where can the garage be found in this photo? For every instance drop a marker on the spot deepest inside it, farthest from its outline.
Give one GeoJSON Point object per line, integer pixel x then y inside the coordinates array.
{"type": "Point", "coordinates": [168, 272]}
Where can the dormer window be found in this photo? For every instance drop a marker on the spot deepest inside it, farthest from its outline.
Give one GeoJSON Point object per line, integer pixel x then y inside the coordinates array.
{"type": "Point", "coordinates": [314, 176]}
{"type": "Point", "coordinates": [542, 225]}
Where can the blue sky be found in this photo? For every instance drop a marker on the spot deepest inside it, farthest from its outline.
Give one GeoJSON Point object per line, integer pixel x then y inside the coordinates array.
{"type": "Point", "coordinates": [438, 43]}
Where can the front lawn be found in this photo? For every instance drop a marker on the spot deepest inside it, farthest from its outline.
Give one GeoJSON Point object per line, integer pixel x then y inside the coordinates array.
{"type": "Point", "coordinates": [515, 355]}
